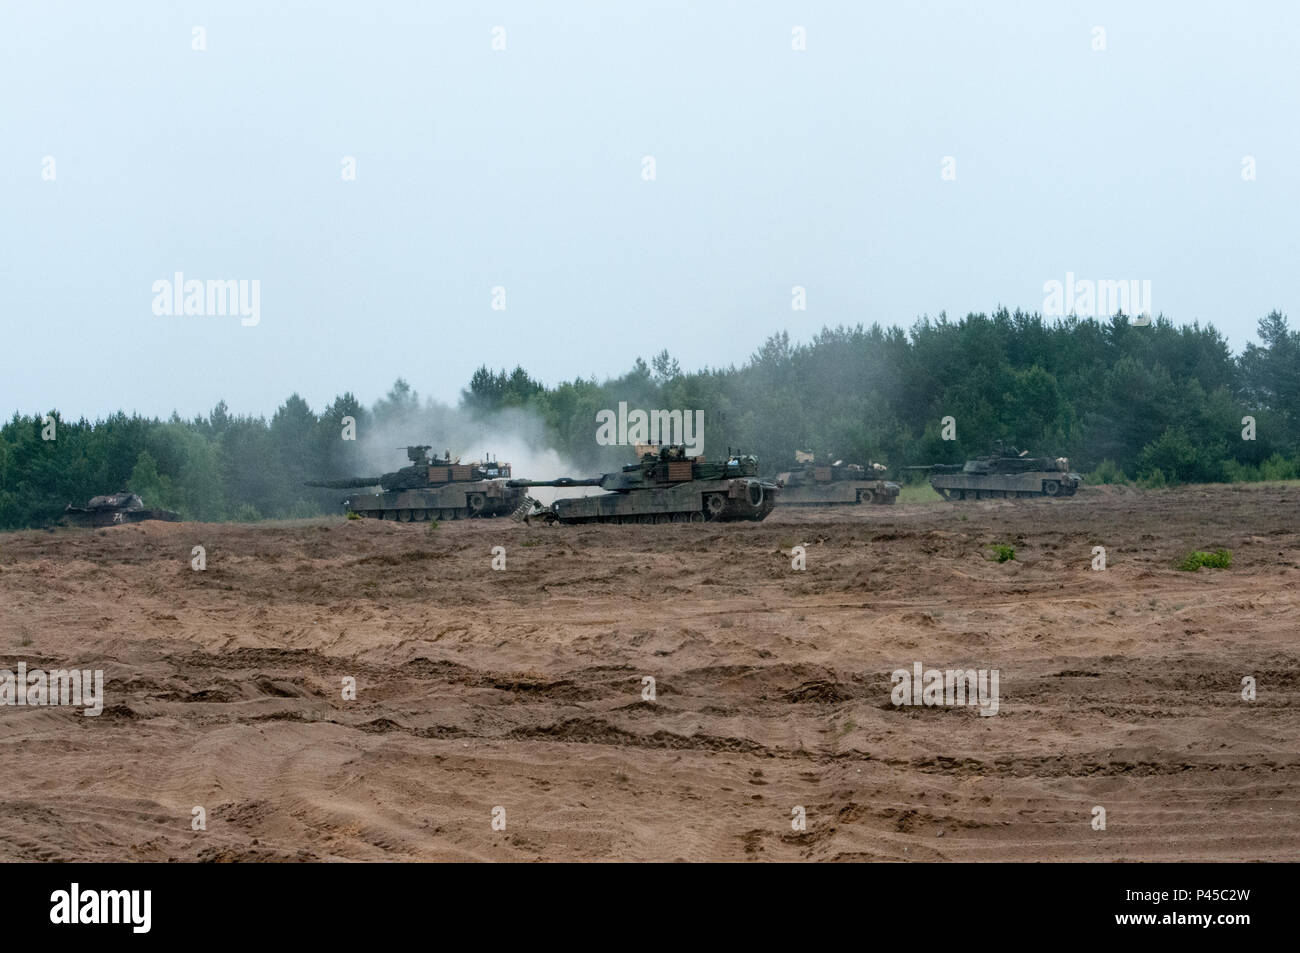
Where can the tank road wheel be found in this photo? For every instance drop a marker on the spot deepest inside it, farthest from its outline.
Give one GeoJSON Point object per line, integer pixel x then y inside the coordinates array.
{"type": "Point", "coordinates": [663, 518]}
{"type": "Point", "coordinates": [1051, 488]}
{"type": "Point", "coordinates": [714, 504]}
{"type": "Point", "coordinates": [867, 496]}
{"type": "Point", "coordinates": [697, 517]}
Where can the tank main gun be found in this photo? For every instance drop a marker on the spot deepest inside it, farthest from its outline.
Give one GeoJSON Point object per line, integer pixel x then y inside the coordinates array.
{"type": "Point", "coordinates": [562, 481]}
{"type": "Point", "coordinates": [356, 483]}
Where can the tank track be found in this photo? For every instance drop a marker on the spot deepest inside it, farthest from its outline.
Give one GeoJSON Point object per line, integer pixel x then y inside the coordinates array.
{"type": "Point", "coordinates": [442, 514]}
{"type": "Point", "coordinates": [959, 495]}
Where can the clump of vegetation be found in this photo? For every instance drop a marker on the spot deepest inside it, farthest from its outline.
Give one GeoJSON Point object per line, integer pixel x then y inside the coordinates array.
{"type": "Point", "coordinates": [1153, 479]}
{"type": "Point", "coordinates": [433, 525]}
{"type": "Point", "coordinates": [353, 515]}
{"type": "Point", "coordinates": [1219, 559]}
{"type": "Point", "coordinates": [1003, 552]}
{"type": "Point", "coordinates": [1107, 473]}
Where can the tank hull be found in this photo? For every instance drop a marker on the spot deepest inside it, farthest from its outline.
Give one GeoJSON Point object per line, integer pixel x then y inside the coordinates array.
{"type": "Point", "coordinates": [470, 500]}
{"type": "Point", "coordinates": [697, 501]}
{"type": "Point", "coordinates": [978, 486]}
{"type": "Point", "coordinates": [840, 492]}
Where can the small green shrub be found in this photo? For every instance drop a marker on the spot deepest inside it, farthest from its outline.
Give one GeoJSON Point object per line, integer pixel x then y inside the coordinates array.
{"type": "Point", "coordinates": [1277, 467]}
{"type": "Point", "coordinates": [1219, 559]}
{"type": "Point", "coordinates": [353, 515]}
{"type": "Point", "coordinates": [1153, 480]}
{"type": "Point", "coordinates": [1107, 472]}
{"type": "Point", "coordinates": [1003, 552]}
{"type": "Point", "coordinates": [1235, 472]}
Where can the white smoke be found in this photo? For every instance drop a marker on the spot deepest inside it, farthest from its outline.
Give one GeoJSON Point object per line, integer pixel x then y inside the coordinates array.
{"type": "Point", "coordinates": [513, 435]}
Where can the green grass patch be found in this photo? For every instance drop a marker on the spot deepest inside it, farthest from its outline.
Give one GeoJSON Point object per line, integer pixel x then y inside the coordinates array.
{"type": "Point", "coordinates": [1003, 552]}
{"type": "Point", "coordinates": [918, 493]}
{"type": "Point", "coordinates": [1219, 559]}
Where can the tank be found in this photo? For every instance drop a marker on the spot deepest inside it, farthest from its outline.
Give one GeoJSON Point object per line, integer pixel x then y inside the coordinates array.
{"type": "Point", "coordinates": [114, 508]}
{"type": "Point", "coordinates": [665, 486]}
{"type": "Point", "coordinates": [812, 482]}
{"type": "Point", "coordinates": [443, 489]}
{"type": "Point", "coordinates": [1006, 472]}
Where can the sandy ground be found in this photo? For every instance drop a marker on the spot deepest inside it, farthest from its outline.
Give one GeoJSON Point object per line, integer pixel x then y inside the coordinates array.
{"type": "Point", "coordinates": [522, 689]}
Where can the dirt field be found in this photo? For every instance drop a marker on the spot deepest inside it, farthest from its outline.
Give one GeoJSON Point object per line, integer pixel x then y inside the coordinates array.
{"type": "Point", "coordinates": [523, 688]}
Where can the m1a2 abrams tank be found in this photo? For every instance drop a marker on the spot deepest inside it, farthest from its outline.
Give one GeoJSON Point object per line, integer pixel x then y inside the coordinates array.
{"type": "Point", "coordinates": [442, 489]}
{"type": "Point", "coordinates": [812, 483]}
{"type": "Point", "coordinates": [665, 486]}
{"type": "Point", "coordinates": [1007, 472]}
{"type": "Point", "coordinates": [114, 508]}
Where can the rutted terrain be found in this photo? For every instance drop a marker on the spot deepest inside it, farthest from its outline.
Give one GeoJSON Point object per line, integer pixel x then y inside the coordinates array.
{"type": "Point", "coordinates": [523, 688]}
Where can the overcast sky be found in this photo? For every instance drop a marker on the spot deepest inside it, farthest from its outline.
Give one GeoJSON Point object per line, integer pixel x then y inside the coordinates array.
{"type": "Point", "coordinates": [523, 168]}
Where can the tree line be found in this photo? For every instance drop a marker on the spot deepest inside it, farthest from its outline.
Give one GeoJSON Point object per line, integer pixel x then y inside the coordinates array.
{"type": "Point", "coordinates": [1156, 404]}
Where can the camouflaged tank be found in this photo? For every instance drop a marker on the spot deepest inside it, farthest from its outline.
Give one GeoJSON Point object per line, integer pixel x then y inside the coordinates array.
{"type": "Point", "coordinates": [441, 489]}
{"type": "Point", "coordinates": [818, 483]}
{"type": "Point", "coordinates": [114, 508]}
{"type": "Point", "coordinates": [1007, 472]}
{"type": "Point", "coordinates": [665, 486]}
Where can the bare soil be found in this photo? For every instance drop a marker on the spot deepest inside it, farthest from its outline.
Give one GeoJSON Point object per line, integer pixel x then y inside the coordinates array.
{"type": "Point", "coordinates": [522, 688]}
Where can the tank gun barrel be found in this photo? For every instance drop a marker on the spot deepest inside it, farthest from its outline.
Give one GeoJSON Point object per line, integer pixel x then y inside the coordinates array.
{"type": "Point", "coordinates": [353, 484]}
{"type": "Point", "coordinates": [562, 481]}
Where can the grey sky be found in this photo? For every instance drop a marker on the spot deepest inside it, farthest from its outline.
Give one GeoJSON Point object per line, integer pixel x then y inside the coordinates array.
{"type": "Point", "coordinates": [523, 168]}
